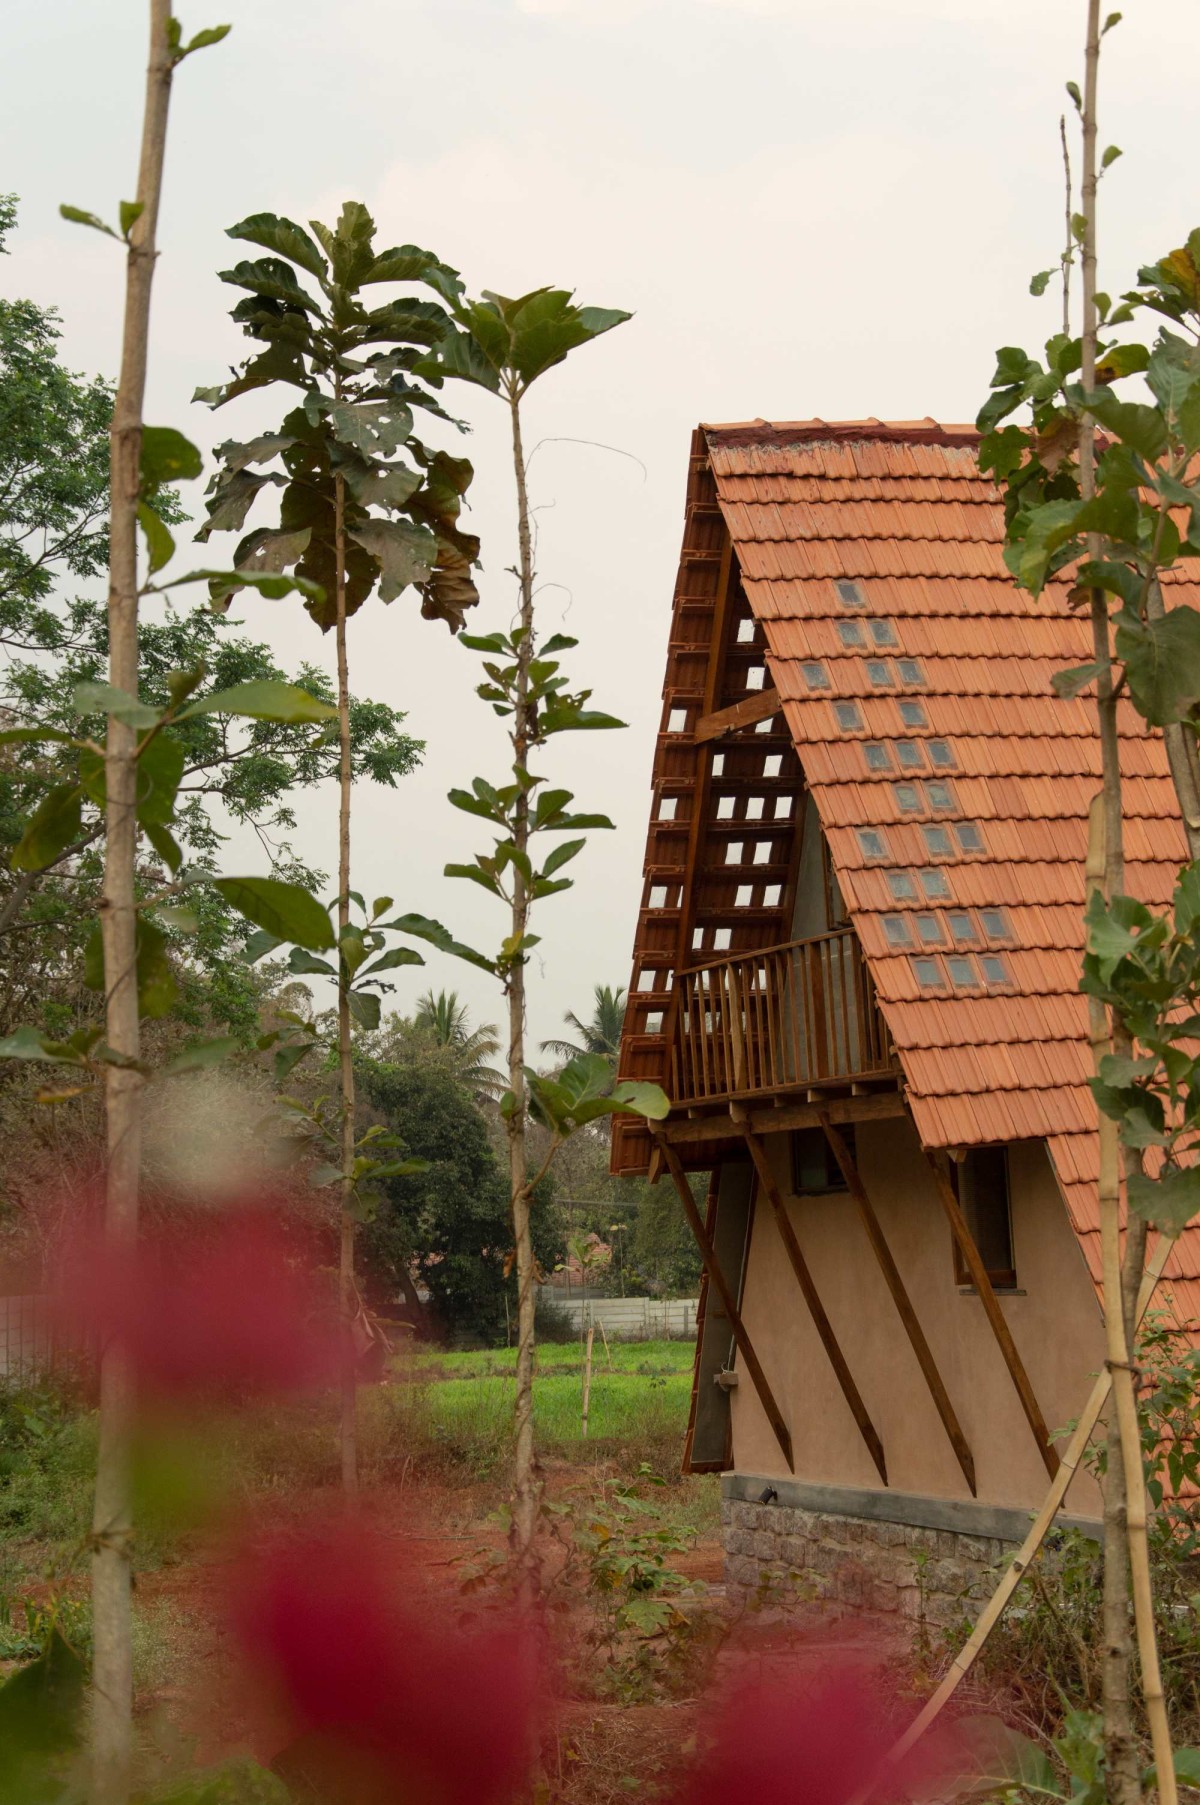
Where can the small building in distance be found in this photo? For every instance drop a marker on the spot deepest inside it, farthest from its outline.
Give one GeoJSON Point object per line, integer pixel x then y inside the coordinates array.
{"type": "Point", "coordinates": [856, 976]}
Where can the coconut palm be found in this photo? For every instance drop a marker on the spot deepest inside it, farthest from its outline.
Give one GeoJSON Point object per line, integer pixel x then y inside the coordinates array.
{"type": "Point", "coordinates": [602, 1034]}
{"type": "Point", "coordinates": [446, 1020]}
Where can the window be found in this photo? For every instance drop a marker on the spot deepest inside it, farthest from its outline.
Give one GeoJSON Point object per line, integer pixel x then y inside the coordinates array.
{"type": "Point", "coordinates": [995, 969]}
{"type": "Point", "coordinates": [772, 764]}
{"type": "Point", "coordinates": [910, 671]}
{"type": "Point", "coordinates": [744, 897]}
{"type": "Point", "coordinates": [722, 939]}
{"type": "Point", "coordinates": [961, 925]}
{"type": "Point", "coordinates": [815, 675]}
{"type": "Point", "coordinates": [908, 799]}
{"type": "Point", "coordinates": [969, 836]}
{"type": "Point", "coordinates": [754, 808]}
{"type": "Point", "coordinates": [913, 714]}
{"type": "Point", "coordinates": [937, 842]}
{"type": "Point", "coordinates": [981, 1182]}
{"type": "Point", "coordinates": [930, 930]}
{"type": "Point", "coordinates": [677, 721]}
{"type": "Point", "coordinates": [756, 676]}
{"type": "Point", "coordinates": [850, 595]}
{"type": "Point", "coordinates": [871, 844]}
{"type": "Point", "coordinates": [878, 757]}
{"type": "Point", "coordinates": [882, 632]}
{"type": "Point", "coordinates": [849, 716]}
{"type": "Point", "coordinates": [647, 980]}
{"type": "Point", "coordinates": [718, 764]}
{"type": "Point", "coordinates": [762, 852]}
{"type": "Point", "coordinates": [658, 896]}
{"type": "Point", "coordinates": [767, 726]}
{"type": "Point", "coordinates": [772, 896]}
{"type": "Point", "coordinates": [940, 754]}
{"type": "Point", "coordinates": [724, 808]}
{"type": "Point", "coordinates": [783, 807]}
{"type": "Point", "coordinates": [746, 629]}
{"type": "Point", "coordinates": [850, 633]}
{"type": "Point", "coordinates": [928, 974]}
{"type": "Point", "coordinates": [895, 928]}
{"type": "Point", "coordinates": [995, 924]}
{"type": "Point", "coordinates": [901, 886]}
{"type": "Point", "coordinates": [813, 1166]}
{"type": "Point", "coordinates": [667, 807]}
{"type": "Point", "coordinates": [909, 754]}
{"type": "Point", "coordinates": [880, 673]}
{"type": "Point", "coordinates": [654, 1022]}
{"type": "Point", "coordinates": [962, 970]}
{"type": "Point", "coordinates": [733, 852]}
{"type": "Point", "coordinates": [940, 795]}
{"type": "Point", "coordinates": [936, 885]}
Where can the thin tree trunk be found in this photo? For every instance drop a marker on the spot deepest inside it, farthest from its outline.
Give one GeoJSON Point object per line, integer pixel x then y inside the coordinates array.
{"type": "Point", "coordinates": [526, 1481]}
{"type": "Point", "coordinates": [1126, 1550]}
{"type": "Point", "coordinates": [112, 1527]}
{"type": "Point", "coordinates": [347, 1296]}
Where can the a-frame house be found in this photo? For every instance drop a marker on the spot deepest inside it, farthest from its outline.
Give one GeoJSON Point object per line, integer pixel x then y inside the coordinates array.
{"type": "Point", "coordinates": [856, 976]}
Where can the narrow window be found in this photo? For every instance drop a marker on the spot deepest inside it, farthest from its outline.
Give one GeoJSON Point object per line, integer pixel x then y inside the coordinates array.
{"type": "Point", "coordinates": [930, 930]}
{"type": "Point", "coordinates": [981, 1181]}
{"type": "Point", "coordinates": [815, 675]}
{"type": "Point", "coordinates": [940, 795]}
{"type": "Point", "coordinates": [937, 842]}
{"type": "Point", "coordinates": [995, 969]}
{"type": "Point", "coordinates": [754, 808]}
{"type": "Point", "coordinates": [667, 807]}
{"type": "Point", "coordinates": [783, 807]}
{"type": "Point", "coordinates": [746, 629]}
{"type": "Point", "coordinates": [878, 757]}
{"type": "Point", "coordinates": [909, 754]}
{"type": "Point", "coordinates": [772, 896]}
{"type": "Point", "coordinates": [677, 721]}
{"type": "Point", "coordinates": [814, 1167]}
{"type": "Point", "coordinates": [913, 714]}
{"type": "Point", "coordinates": [733, 852]}
{"type": "Point", "coordinates": [654, 1022]}
{"type": "Point", "coordinates": [718, 764]}
{"type": "Point", "coordinates": [871, 844]}
{"type": "Point", "coordinates": [962, 970]}
{"type": "Point", "coordinates": [849, 716]}
{"type": "Point", "coordinates": [755, 677]}
{"type": "Point", "coordinates": [647, 980]}
{"type": "Point", "coordinates": [940, 754]}
{"type": "Point", "coordinates": [910, 671]}
{"type": "Point", "coordinates": [744, 897]}
{"type": "Point", "coordinates": [762, 852]}
{"type": "Point", "coordinates": [767, 726]}
{"type": "Point", "coordinates": [658, 896]}
{"type": "Point", "coordinates": [995, 924]}
{"type": "Point", "coordinates": [724, 808]}
{"type": "Point", "coordinates": [879, 671]}
{"type": "Point", "coordinates": [936, 885]}
{"type": "Point", "coordinates": [895, 928]}
{"type": "Point", "coordinates": [969, 836]}
{"type": "Point", "coordinates": [850, 633]}
{"type": "Point", "coordinates": [722, 939]}
{"type": "Point", "coordinates": [772, 764]}
{"type": "Point", "coordinates": [850, 595]}
{"type": "Point", "coordinates": [901, 886]}
{"type": "Point", "coordinates": [961, 925]}
{"type": "Point", "coordinates": [928, 973]}
{"type": "Point", "coordinates": [882, 632]}
{"type": "Point", "coordinates": [908, 799]}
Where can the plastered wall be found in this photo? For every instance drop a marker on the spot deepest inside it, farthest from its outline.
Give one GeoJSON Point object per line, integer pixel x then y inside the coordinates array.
{"type": "Point", "coordinates": [1055, 1322]}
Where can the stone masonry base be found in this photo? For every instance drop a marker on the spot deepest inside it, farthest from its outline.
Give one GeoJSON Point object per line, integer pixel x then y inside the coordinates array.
{"type": "Point", "coordinates": [930, 1560]}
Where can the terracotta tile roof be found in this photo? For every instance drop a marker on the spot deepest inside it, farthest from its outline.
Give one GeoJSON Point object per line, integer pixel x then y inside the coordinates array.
{"type": "Point", "coordinates": [900, 508]}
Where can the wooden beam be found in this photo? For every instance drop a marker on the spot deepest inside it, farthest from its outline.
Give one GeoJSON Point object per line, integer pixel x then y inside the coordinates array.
{"type": "Point", "coordinates": [682, 1131]}
{"type": "Point", "coordinates": [902, 1301]}
{"type": "Point", "coordinates": [994, 1314]}
{"type": "Point", "coordinates": [729, 1304]}
{"type": "Point", "coordinates": [824, 1327]}
{"type": "Point", "coordinates": [759, 706]}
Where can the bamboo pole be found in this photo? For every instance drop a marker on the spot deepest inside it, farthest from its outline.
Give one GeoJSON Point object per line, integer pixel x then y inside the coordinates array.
{"type": "Point", "coordinates": [587, 1377]}
{"type": "Point", "coordinates": [347, 1294]}
{"type": "Point", "coordinates": [112, 1523]}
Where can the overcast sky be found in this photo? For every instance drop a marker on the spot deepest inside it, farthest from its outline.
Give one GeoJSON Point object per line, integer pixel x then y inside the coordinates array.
{"type": "Point", "coordinates": [812, 207]}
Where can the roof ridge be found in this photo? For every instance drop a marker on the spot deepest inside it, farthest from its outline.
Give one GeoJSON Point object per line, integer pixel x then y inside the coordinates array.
{"type": "Point", "coordinates": [790, 432]}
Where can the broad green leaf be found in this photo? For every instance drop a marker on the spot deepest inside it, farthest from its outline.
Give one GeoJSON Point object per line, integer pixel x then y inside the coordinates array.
{"type": "Point", "coordinates": [41, 1715]}
{"type": "Point", "coordinates": [225, 582]}
{"type": "Point", "coordinates": [287, 910]}
{"type": "Point", "coordinates": [259, 945]}
{"type": "Point", "coordinates": [1133, 422]}
{"type": "Point", "coordinates": [158, 991]}
{"type": "Point", "coordinates": [55, 825]}
{"type": "Point", "coordinates": [365, 1008]}
{"type": "Point", "coordinates": [167, 457]}
{"type": "Point", "coordinates": [79, 217]}
{"type": "Point", "coordinates": [103, 698]}
{"type": "Point", "coordinates": [389, 487]}
{"type": "Point", "coordinates": [303, 963]}
{"type": "Point", "coordinates": [30, 1043]}
{"type": "Point", "coordinates": [13, 736]}
{"type": "Point", "coordinates": [408, 263]}
{"type": "Point", "coordinates": [235, 455]}
{"type": "Point", "coordinates": [273, 279]}
{"type": "Point", "coordinates": [274, 232]}
{"type": "Point", "coordinates": [203, 1053]}
{"type": "Point", "coordinates": [264, 700]}
{"type": "Point", "coordinates": [422, 928]}
{"type": "Point", "coordinates": [165, 845]}
{"type": "Point", "coordinates": [404, 553]}
{"type": "Point", "coordinates": [212, 34]}
{"type": "Point", "coordinates": [1039, 283]}
{"type": "Point", "coordinates": [160, 772]}
{"type": "Point", "coordinates": [639, 1099]}
{"type": "Point", "coordinates": [562, 855]}
{"type": "Point", "coordinates": [160, 545]}
{"type": "Point", "coordinates": [395, 956]}
{"type": "Point", "coordinates": [1076, 680]}
{"type": "Point", "coordinates": [374, 428]}
{"type": "Point", "coordinates": [1162, 662]}
{"type": "Point", "coordinates": [232, 498]}
{"type": "Point", "coordinates": [568, 717]}
{"type": "Point", "coordinates": [1168, 1203]}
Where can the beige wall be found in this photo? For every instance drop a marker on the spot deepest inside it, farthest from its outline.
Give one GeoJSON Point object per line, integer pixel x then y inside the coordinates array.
{"type": "Point", "coordinates": [1055, 1323]}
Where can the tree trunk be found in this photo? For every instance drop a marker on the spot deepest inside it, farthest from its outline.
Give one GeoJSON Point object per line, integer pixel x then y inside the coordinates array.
{"type": "Point", "coordinates": [347, 1296]}
{"type": "Point", "coordinates": [526, 1479]}
{"type": "Point", "coordinates": [1126, 1551]}
{"type": "Point", "coordinates": [112, 1528]}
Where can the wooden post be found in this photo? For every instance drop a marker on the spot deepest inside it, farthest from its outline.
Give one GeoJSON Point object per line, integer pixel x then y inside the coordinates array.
{"type": "Point", "coordinates": [995, 1315]}
{"type": "Point", "coordinates": [824, 1327]}
{"type": "Point", "coordinates": [729, 1304]}
{"type": "Point", "coordinates": [587, 1377]}
{"type": "Point", "coordinates": [902, 1301]}
{"type": "Point", "coordinates": [607, 1349]}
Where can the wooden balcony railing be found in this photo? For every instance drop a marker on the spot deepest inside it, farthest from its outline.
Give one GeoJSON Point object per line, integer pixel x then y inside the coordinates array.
{"type": "Point", "coordinates": [781, 1019]}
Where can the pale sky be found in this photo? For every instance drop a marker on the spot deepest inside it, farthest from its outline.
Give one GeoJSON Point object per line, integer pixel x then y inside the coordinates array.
{"type": "Point", "coordinates": [812, 207]}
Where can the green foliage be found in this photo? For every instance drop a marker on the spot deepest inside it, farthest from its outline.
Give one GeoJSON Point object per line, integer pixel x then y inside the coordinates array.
{"type": "Point", "coordinates": [354, 362]}
{"type": "Point", "coordinates": [602, 1034]}
{"type": "Point", "coordinates": [507, 344]}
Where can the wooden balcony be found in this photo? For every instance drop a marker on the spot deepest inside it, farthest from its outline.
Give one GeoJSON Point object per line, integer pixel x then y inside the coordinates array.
{"type": "Point", "coordinates": [783, 1019]}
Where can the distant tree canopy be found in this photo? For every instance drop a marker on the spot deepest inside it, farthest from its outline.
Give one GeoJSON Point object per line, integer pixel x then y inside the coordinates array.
{"type": "Point", "coordinates": [600, 1034]}
{"type": "Point", "coordinates": [450, 1226]}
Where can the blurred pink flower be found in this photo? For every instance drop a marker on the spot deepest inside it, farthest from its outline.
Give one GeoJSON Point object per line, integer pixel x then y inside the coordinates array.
{"type": "Point", "coordinates": [219, 1305]}
{"type": "Point", "coordinates": [396, 1702]}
